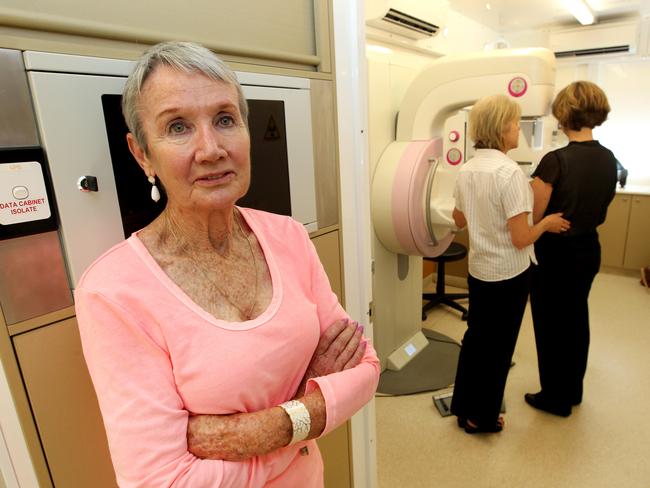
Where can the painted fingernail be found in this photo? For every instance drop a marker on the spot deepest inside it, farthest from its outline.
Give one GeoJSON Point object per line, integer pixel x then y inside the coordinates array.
{"type": "Point", "coordinates": [360, 328]}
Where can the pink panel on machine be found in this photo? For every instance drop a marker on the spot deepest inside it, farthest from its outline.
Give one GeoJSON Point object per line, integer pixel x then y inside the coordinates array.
{"type": "Point", "coordinates": [408, 205]}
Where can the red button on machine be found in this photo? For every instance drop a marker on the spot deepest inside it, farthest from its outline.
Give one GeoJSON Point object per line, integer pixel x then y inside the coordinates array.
{"type": "Point", "coordinates": [517, 87]}
{"type": "Point", "coordinates": [454, 156]}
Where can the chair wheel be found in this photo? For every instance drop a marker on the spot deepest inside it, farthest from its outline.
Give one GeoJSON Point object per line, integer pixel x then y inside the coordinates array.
{"type": "Point", "coordinates": [464, 317]}
{"type": "Point", "coordinates": [424, 316]}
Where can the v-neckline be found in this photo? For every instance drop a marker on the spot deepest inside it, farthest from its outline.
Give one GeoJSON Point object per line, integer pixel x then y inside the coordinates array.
{"type": "Point", "coordinates": [144, 254]}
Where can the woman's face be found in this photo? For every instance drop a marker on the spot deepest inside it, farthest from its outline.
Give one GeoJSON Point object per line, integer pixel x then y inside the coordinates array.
{"type": "Point", "coordinates": [511, 136]}
{"type": "Point", "coordinates": [197, 142]}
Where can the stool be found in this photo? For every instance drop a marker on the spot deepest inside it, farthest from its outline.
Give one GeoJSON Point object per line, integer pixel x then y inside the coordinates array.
{"type": "Point", "coordinates": [454, 252]}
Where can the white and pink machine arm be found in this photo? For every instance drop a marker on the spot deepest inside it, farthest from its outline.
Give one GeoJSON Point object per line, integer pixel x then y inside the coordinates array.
{"type": "Point", "coordinates": [413, 182]}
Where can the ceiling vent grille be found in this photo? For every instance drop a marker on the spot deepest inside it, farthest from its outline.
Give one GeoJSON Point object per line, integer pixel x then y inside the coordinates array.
{"type": "Point", "coordinates": [405, 25]}
{"type": "Point", "coordinates": [593, 51]}
{"type": "Point", "coordinates": [619, 38]}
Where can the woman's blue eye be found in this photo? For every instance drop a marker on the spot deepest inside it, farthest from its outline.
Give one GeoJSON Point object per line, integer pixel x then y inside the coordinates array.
{"type": "Point", "coordinates": [176, 128]}
{"type": "Point", "coordinates": [226, 121]}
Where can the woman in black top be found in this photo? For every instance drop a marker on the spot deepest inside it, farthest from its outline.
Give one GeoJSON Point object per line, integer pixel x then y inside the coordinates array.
{"type": "Point", "coordinates": [580, 181]}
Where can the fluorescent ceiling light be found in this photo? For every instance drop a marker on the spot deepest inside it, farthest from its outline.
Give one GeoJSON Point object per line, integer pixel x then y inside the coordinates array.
{"type": "Point", "coordinates": [378, 49]}
{"type": "Point", "coordinates": [580, 10]}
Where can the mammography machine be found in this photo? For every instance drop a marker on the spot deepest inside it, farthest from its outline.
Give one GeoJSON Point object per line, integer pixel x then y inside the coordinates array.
{"type": "Point", "coordinates": [413, 181]}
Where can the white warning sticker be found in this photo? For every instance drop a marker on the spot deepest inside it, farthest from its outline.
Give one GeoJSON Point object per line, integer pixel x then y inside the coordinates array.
{"type": "Point", "coordinates": [23, 197]}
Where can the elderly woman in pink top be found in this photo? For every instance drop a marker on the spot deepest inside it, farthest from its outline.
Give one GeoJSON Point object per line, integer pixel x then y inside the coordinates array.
{"type": "Point", "coordinates": [215, 344]}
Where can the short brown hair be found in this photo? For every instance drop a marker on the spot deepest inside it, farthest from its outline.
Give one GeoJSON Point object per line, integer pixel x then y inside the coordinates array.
{"type": "Point", "coordinates": [581, 104]}
{"type": "Point", "coordinates": [489, 119]}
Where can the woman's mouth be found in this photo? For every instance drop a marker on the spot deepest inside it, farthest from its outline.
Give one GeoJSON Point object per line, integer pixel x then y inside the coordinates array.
{"type": "Point", "coordinates": [217, 178]}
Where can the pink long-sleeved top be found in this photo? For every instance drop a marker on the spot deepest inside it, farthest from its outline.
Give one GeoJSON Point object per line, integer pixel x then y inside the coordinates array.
{"type": "Point", "coordinates": [154, 356]}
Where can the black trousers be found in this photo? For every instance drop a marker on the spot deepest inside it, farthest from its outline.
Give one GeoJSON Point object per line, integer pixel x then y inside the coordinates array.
{"type": "Point", "coordinates": [495, 313]}
{"type": "Point", "coordinates": [559, 291]}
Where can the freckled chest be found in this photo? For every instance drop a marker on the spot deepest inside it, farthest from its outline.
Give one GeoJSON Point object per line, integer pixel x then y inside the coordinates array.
{"type": "Point", "coordinates": [223, 286]}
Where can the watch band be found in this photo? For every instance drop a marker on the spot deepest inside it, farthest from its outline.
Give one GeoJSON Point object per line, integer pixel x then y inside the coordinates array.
{"type": "Point", "coordinates": [300, 419]}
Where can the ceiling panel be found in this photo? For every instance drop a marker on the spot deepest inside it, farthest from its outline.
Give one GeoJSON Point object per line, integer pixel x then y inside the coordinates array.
{"type": "Point", "coordinates": [515, 15]}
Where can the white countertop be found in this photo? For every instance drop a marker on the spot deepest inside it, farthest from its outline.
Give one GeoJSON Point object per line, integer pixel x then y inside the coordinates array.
{"type": "Point", "coordinates": [633, 190]}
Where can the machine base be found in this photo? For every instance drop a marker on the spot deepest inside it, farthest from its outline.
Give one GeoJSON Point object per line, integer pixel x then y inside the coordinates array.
{"type": "Point", "coordinates": [406, 352]}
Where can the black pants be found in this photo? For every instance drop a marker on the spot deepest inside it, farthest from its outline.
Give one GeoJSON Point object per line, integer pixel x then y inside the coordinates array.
{"type": "Point", "coordinates": [559, 292]}
{"type": "Point", "coordinates": [495, 313]}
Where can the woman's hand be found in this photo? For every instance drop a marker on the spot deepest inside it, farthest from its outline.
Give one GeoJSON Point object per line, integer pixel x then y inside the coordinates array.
{"type": "Point", "coordinates": [459, 218]}
{"type": "Point", "coordinates": [523, 235]}
{"type": "Point", "coordinates": [339, 348]}
{"type": "Point", "coordinates": [556, 224]}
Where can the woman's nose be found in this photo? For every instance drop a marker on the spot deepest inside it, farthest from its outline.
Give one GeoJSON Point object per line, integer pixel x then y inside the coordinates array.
{"type": "Point", "coordinates": [210, 145]}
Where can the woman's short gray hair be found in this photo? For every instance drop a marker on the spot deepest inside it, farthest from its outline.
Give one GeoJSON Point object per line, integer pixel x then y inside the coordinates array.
{"type": "Point", "coordinates": [489, 119]}
{"type": "Point", "coordinates": [184, 56]}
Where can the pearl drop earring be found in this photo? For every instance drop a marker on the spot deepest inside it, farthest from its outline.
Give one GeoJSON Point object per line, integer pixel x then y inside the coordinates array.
{"type": "Point", "coordinates": [155, 194]}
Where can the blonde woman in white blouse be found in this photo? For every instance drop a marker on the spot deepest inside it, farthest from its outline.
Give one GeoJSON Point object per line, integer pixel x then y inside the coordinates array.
{"type": "Point", "coordinates": [494, 200]}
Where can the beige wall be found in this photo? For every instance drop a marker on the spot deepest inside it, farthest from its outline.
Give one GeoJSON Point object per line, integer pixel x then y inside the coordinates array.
{"type": "Point", "coordinates": [247, 24]}
{"type": "Point", "coordinates": [295, 36]}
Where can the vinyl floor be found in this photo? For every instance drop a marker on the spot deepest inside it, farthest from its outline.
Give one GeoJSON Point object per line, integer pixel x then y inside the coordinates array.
{"type": "Point", "coordinates": [604, 443]}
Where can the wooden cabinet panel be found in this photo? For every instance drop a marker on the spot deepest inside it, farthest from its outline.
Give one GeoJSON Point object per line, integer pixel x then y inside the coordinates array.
{"type": "Point", "coordinates": [625, 234]}
{"type": "Point", "coordinates": [327, 247]}
{"type": "Point", "coordinates": [65, 407]}
{"type": "Point", "coordinates": [612, 233]}
{"type": "Point", "coordinates": [325, 164]}
{"type": "Point", "coordinates": [637, 248]}
{"type": "Point", "coordinates": [335, 447]}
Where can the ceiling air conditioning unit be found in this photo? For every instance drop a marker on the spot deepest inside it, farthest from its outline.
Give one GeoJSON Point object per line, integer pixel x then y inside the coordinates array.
{"type": "Point", "coordinates": [618, 38]}
{"type": "Point", "coordinates": [403, 24]}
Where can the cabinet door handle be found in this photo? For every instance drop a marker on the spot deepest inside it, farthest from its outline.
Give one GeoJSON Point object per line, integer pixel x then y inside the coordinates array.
{"type": "Point", "coordinates": [87, 184]}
